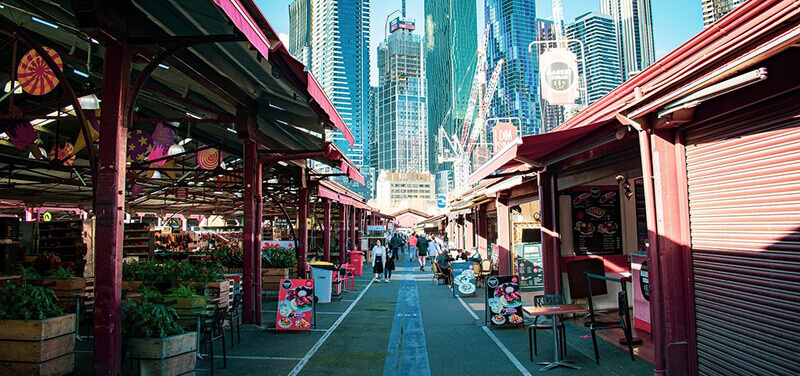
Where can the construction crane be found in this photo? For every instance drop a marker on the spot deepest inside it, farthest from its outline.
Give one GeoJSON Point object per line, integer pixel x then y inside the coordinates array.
{"type": "Point", "coordinates": [477, 85]}
{"type": "Point", "coordinates": [558, 23]}
{"type": "Point", "coordinates": [491, 87]}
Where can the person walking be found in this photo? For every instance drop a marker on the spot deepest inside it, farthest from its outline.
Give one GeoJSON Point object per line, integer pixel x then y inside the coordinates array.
{"type": "Point", "coordinates": [394, 245]}
{"type": "Point", "coordinates": [388, 267]}
{"type": "Point", "coordinates": [378, 260]}
{"type": "Point", "coordinates": [422, 251]}
{"type": "Point", "coordinates": [433, 249]}
{"type": "Point", "coordinates": [412, 247]}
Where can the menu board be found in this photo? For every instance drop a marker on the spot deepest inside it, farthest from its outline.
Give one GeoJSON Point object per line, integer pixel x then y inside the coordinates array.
{"type": "Point", "coordinates": [463, 278]}
{"type": "Point", "coordinates": [503, 301]}
{"type": "Point", "coordinates": [596, 224]}
{"type": "Point", "coordinates": [529, 264]}
{"type": "Point", "coordinates": [295, 304]}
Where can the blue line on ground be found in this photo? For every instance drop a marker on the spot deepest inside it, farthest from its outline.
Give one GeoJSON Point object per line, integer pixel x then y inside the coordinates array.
{"type": "Point", "coordinates": [407, 353]}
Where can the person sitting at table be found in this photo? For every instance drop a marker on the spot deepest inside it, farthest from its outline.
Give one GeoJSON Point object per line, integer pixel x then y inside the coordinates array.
{"type": "Point", "coordinates": [475, 256]}
{"type": "Point", "coordinates": [443, 262]}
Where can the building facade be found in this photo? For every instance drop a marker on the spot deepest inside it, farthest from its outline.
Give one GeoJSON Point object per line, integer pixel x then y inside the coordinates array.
{"type": "Point", "coordinates": [401, 132]}
{"type": "Point", "coordinates": [300, 31]}
{"type": "Point", "coordinates": [517, 91]}
{"type": "Point", "coordinates": [715, 9]}
{"type": "Point", "coordinates": [451, 43]}
{"type": "Point", "coordinates": [371, 145]}
{"type": "Point", "coordinates": [634, 28]}
{"type": "Point", "coordinates": [596, 33]}
{"type": "Point", "coordinates": [340, 62]}
{"type": "Point", "coordinates": [552, 116]}
{"type": "Point", "coordinates": [398, 190]}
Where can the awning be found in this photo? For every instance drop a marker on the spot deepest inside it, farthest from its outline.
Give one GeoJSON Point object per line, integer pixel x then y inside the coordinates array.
{"type": "Point", "coordinates": [531, 150]}
{"type": "Point", "coordinates": [327, 193]}
{"type": "Point", "coordinates": [507, 183]}
{"type": "Point", "coordinates": [345, 164]}
{"type": "Point", "coordinates": [245, 23]}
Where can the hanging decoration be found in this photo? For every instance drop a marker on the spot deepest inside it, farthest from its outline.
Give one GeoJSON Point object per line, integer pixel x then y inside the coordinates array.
{"type": "Point", "coordinates": [208, 159]}
{"type": "Point", "coordinates": [163, 139]}
{"type": "Point", "coordinates": [140, 145]}
{"type": "Point", "coordinates": [20, 132]}
{"type": "Point", "coordinates": [65, 154]}
{"type": "Point", "coordinates": [94, 130]}
{"type": "Point", "coordinates": [33, 74]}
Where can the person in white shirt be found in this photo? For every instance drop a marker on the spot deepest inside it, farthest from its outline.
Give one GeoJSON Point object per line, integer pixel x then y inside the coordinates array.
{"type": "Point", "coordinates": [378, 260]}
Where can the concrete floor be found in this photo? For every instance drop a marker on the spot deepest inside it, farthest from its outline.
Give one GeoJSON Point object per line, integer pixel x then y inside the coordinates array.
{"type": "Point", "coordinates": [431, 332]}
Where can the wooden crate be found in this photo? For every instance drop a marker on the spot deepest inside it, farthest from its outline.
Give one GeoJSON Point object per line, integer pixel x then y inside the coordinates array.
{"type": "Point", "coordinates": [271, 278]}
{"type": "Point", "coordinates": [132, 285]}
{"type": "Point", "coordinates": [170, 356]}
{"type": "Point", "coordinates": [54, 367]}
{"type": "Point", "coordinates": [222, 288]}
{"type": "Point", "coordinates": [37, 347]}
{"type": "Point", "coordinates": [65, 284]}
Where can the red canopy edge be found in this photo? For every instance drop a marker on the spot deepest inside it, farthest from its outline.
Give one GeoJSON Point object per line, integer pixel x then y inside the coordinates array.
{"type": "Point", "coordinates": [316, 92]}
{"type": "Point", "coordinates": [327, 193]}
{"type": "Point", "coordinates": [246, 24]}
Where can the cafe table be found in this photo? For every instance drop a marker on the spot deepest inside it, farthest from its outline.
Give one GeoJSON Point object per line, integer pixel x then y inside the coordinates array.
{"type": "Point", "coordinates": [555, 311]}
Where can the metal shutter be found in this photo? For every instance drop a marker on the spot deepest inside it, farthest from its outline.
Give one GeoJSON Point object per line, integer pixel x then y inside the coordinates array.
{"type": "Point", "coordinates": [744, 207]}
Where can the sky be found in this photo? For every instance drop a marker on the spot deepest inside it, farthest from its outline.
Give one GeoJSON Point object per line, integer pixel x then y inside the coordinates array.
{"type": "Point", "coordinates": [674, 21]}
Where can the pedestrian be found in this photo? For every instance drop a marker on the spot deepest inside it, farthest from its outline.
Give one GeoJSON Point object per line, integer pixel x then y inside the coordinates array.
{"type": "Point", "coordinates": [394, 244]}
{"type": "Point", "coordinates": [422, 251]}
{"type": "Point", "coordinates": [404, 248]}
{"type": "Point", "coordinates": [433, 249]}
{"type": "Point", "coordinates": [378, 260]}
{"type": "Point", "coordinates": [388, 267]}
{"type": "Point", "coordinates": [412, 247]}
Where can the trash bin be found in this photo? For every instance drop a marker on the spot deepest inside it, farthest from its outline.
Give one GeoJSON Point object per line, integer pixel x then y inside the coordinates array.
{"type": "Point", "coordinates": [357, 261]}
{"type": "Point", "coordinates": [322, 273]}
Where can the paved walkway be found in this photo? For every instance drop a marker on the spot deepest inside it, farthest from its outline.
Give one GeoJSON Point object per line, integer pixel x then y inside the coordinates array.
{"type": "Point", "coordinates": [406, 327]}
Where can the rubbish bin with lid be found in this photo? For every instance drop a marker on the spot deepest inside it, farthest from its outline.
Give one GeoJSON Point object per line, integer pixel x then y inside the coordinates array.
{"type": "Point", "coordinates": [322, 273]}
{"type": "Point", "coordinates": [357, 261]}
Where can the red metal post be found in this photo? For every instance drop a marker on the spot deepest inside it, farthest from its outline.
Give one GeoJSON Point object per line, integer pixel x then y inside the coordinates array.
{"type": "Point", "coordinates": [248, 235]}
{"type": "Point", "coordinates": [550, 249]}
{"type": "Point", "coordinates": [302, 232]}
{"type": "Point", "coordinates": [258, 225]}
{"type": "Point", "coordinates": [326, 233]}
{"type": "Point", "coordinates": [343, 233]}
{"type": "Point", "coordinates": [504, 236]}
{"type": "Point", "coordinates": [109, 208]}
{"type": "Point", "coordinates": [469, 231]}
{"type": "Point", "coordinates": [361, 227]}
{"type": "Point", "coordinates": [353, 227]}
{"type": "Point", "coordinates": [482, 230]}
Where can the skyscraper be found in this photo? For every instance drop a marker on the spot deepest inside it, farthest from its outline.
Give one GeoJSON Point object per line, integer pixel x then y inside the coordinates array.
{"type": "Point", "coordinates": [371, 146]}
{"type": "Point", "coordinates": [300, 31]}
{"type": "Point", "coordinates": [340, 62]}
{"type": "Point", "coordinates": [451, 43]}
{"type": "Point", "coordinates": [713, 10]}
{"type": "Point", "coordinates": [596, 32]}
{"type": "Point", "coordinates": [401, 127]}
{"type": "Point", "coordinates": [634, 27]}
{"type": "Point", "coordinates": [552, 116]}
{"type": "Point", "coordinates": [512, 30]}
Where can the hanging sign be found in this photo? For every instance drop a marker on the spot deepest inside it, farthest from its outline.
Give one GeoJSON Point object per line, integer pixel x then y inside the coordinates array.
{"type": "Point", "coordinates": [503, 301]}
{"type": "Point", "coordinates": [559, 76]}
{"type": "Point", "coordinates": [463, 278]}
{"type": "Point", "coordinates": [33, 74]}
{"type": "Point", "coordinates": [596, 221]}
{"type": "Point", "coordinates": [47, 216]}
{"type": "Point", "coordinates": [208, 159]}
{"type": "Point", "coordinates": [277, 244]}
{"type": "Point", "coordinates": [295, 304]}
{"type": "Point", "coordinates": [502, 135]}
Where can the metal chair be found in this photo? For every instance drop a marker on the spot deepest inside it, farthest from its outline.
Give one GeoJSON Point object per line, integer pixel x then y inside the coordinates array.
{"type": "Point", "coordinates": [624, 321]}
{"type": "Point", "coordinates": [235, 317]}
{"type": "Point", "coordinates": [540, 301]}
{"type": "Point", "coordinates": [437, 274]}
{"type": "Point", "coordinates": [213, 329]}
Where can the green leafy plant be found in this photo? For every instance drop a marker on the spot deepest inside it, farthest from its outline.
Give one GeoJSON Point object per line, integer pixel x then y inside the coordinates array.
{"type": "Point", "coordinates": [61, 273]}
{"type": "Point", "coordinates": [148, 320]}
{"type": "Point", "coordinates": [28, 273]}
{"type": "Point", "coordinates": [149, 293]}
{"type": "Point", "coordinates": [229, 257]}
{"type": "Point", "coordinates": [170, 271]}
{"type": "Point", "coordinates": [182, 291]}
{"type": "Point", "coordinates": [26, 302]}
{"type": "Point", "coordinates": [278, 258]}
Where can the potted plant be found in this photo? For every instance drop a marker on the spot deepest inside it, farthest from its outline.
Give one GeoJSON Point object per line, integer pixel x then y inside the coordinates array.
{"type": "Point", "coordinates": [157, 341]}
{"type": "Point", "coordinates": [205, 274]}
{"type": "Point", "coordinates": [184, 300]}
{"type": "Point", "coordinates": [65, 285]}
{"type": "Point", "coordinates": [36, 337]}
{"type": "Point", "coordinates": [275, 265]}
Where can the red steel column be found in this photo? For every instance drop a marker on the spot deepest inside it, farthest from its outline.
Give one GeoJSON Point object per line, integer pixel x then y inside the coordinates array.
{"type": "Point", "coordinates": [326, 231]}
{"type": "Point", "coordinates": [361, 227]}
{"type": "Point", "coordinates": [469, 231]}
{"type": "Point", "coordinates": [353, 226]}
{"type": "Point", "coordinates": [302, 232]}
{"type": "Point", "coordinates": [481, 228]}
{"type": "Point", "coordinates": [258, 224]}
{"type": "Point", "coordinates": [248, 233]}
{"type": "Point", "coordinates": [343, 233]}
{"type": "Point", "coordinates": [550, 247]}
{"type": "Point", "coordinates": [109, 205]}
{"type": "Point", "coordinates": [504, 236]}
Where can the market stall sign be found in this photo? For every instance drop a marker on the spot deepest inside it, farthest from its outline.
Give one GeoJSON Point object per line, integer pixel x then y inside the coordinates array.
{"type": "Point", "coordinates": [47, 217]}
{"type": "Point", "coordinates": [503, 301]}
{"type": "Point", "coordinates": [295, 304]}
{"type": "Point", "coordinates": [463, 278]}
{"type": "Point", "coordinates": [529, 262]}
{"type": "Point", "coordinates": [277, 244]}
{"type": "Point", "coordinates": [596, 224]}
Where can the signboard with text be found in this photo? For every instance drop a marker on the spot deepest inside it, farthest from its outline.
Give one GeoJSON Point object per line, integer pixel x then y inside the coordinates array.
{"type": "Point", "coordinates": [559, 76]}
{"type": "Point", "coordinates": [502, 135]}
{"type": "Point", "coordinates": [277, 244]}
{"type": "Point", "coordinates": [596, 222]}
{"type": "Point", "coordinates": [463, 278]}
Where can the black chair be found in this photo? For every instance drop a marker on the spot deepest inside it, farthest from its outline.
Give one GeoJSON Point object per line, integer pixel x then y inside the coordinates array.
{"type": "Point", "coordinates": [213, 329]}
{"type": "Point", "coordinates": [540, 301]}
{"type": "Point", "coordinates": [235, 317]}
{"type": "Point", "coordinates": [624, 321]}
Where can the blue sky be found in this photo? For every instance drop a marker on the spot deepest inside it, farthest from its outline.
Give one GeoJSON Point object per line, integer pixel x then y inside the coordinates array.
{"type": "Point", "coordinates": [674, 21]}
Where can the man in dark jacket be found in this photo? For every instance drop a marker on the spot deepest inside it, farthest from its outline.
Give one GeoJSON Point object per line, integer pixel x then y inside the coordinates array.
{"type": "Point", "coordinates": [422, 251]}
{"type": "Point", "coordinates": [394, 245]}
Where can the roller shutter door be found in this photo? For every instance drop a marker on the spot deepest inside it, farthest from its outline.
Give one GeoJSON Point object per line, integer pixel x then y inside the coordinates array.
{"type": "Point", "coordinates": [744, 208]}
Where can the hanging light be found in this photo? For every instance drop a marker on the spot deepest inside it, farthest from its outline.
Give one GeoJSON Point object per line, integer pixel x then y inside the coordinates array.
{"type": "Point", "coordinates": [156, 175]}
{"type": "Point", "coordinates": [175, 150]}
{"type": "Point", "coordinates": [89, 102]}
{"type": "Point", "coordinates": [13, 84]}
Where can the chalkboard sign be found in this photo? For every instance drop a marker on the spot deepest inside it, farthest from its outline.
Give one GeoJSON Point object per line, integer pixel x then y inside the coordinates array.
{"type": "Point", "coordinates": [529, 265]}
{"type": "Point", "coordinates": [463, 278]}
{"type": "Point", "coordinates": [503, 301]}
{"type": "Point", "coordinates": [295, 304]}
{"type": "Point", "coordinates": [596, 224]}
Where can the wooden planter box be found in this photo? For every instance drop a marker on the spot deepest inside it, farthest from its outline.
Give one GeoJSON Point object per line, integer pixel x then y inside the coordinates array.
{"type": "Point", "coordinates": [132, 285]}
{"type": "Point", "coordinates": [38, 347]}
{"type": "Point", "coordinates": [271, 280]}
{"type": "Point", "coordinates": [65, 290]}
{"type": "Point", "coordinates": [185, 306]}
{"type": "Point", "coordinates": [170, 356]}
{"type": "Point", "coordinates": [222, 286]}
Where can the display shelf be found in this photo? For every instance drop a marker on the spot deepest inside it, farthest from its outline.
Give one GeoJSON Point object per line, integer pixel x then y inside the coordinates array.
{"type": "Point", "coordinates": [136, 238]}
